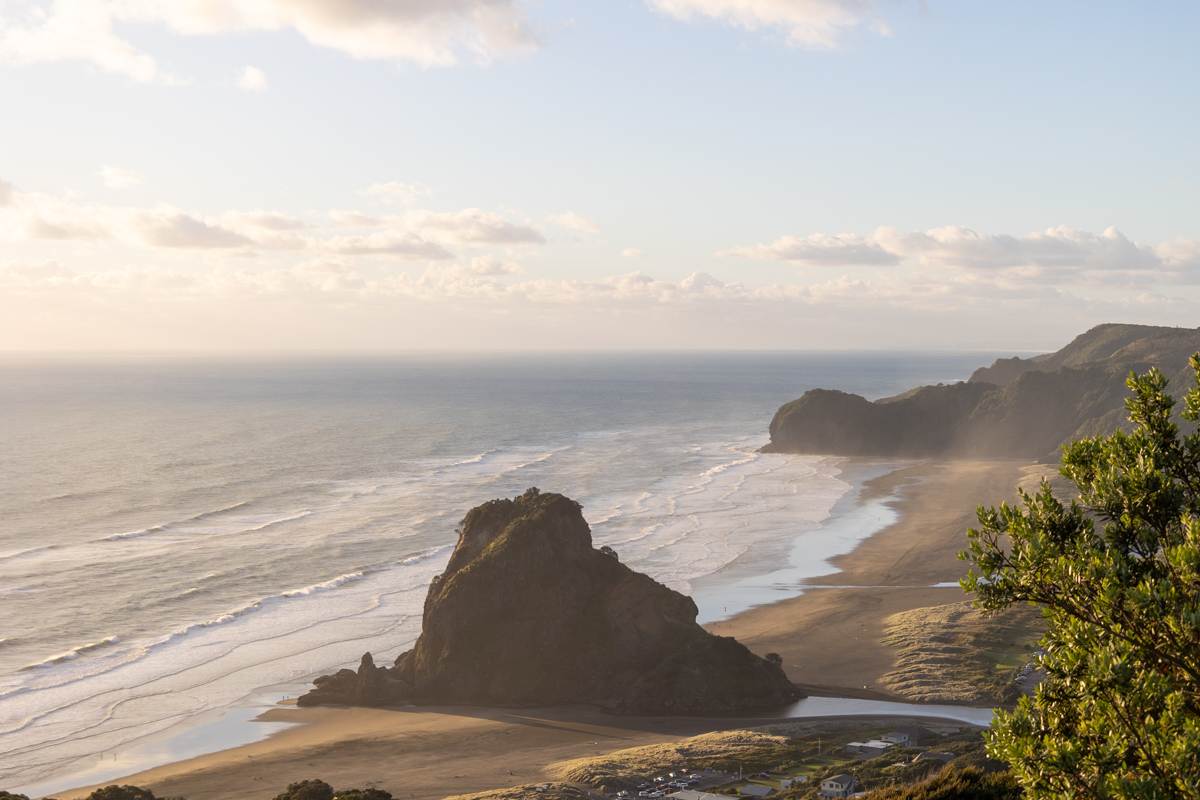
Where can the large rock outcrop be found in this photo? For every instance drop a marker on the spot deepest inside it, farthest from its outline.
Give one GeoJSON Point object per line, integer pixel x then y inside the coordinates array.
{"type": "Point", "coordinates": [529, 613]}
{"type": "Point", "coordinates": [1016, 408]}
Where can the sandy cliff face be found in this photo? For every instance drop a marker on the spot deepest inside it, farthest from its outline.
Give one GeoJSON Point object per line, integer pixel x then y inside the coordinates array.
{"type": "Point", "coordinates": [1016, 408]}
{"type": "Point", "coordinates": [529, 613]}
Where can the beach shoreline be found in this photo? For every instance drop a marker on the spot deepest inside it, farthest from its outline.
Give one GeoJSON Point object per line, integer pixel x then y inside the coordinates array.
{"type": "Point", "coordinates": [895, 568]}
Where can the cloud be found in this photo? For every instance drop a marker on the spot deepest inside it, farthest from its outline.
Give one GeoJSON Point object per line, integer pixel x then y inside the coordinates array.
{"type": "Point", "coordinates": [354, 219]}
{"type": "Point", "coordinates": [474, 226]}
{"type": "Point", "coordinates": [252, 79]}
{"type": "Point", "coordinates": [266, 220]}
{"type": "Point", "coordinates": [6, 193]}
{"type": "Point", "coordinates": [631, 252]}
{"type": "Point", "coordinates": [174, 229]}
{"type": "Point", "coordinates": [574, 222]}
{"type": "Point", "coordinates": [408, 245]}
{"type": "Point", "coordinates": [413, 234]}
{"type": "Point", "coordinates": [396, 192]}
{"type": "Point", "coordinates": [1048, 255]}
{"type": "Point", "coordinates": [493, 267]}
{"type": "Point", "coordinates": [41, 228]}
{"type": "Point", "coordinates": [806, 23]}
{"type": "Point", "coordinates": [63, 30]}
{"type": "Point", "coordinates": [820, 249]}
{"type": "Point", "coordinates": [425, 33]}
{"type": "Point", "coordinates": [119, 178]}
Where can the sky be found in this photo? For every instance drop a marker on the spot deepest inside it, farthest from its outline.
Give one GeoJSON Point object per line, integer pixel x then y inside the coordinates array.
{"type": "Point", "coordinates": [374, 176]}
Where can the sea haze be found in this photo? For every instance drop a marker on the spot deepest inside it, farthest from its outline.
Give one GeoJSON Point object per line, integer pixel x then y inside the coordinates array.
{"type": "Point", "coordinates": [180, 536]}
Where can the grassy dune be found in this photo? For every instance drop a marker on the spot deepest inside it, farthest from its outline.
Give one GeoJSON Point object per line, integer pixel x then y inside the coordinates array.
{"type": "Point", "coordinates": [546, 791]}
{"type": "Point", "coordinates": [723, 750]}
{"type": "Point", "coordinates": [957, 654]}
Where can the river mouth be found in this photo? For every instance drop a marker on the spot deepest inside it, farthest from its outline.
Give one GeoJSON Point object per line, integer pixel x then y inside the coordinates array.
{"type": "Point", "coordinates": [849, 706]}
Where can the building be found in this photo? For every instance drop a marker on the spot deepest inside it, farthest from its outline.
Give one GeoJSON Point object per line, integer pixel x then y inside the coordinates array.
{"type": "Point", "coordinates": [692, 794]}
{"type": "Point", "coordinates": [792, 781]}
{"type": "Point", "coordinates": [842, 785]}
{"type": "Point", "coordinates": [754, 790]}
{"type": "Point", "coordinates": [870, 749]}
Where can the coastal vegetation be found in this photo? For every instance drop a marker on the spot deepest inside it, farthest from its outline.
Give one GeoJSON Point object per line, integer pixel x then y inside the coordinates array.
{"type": "Point", "coordinates": [970, 783]}
{"type": "Point", "coordinates": [956, 653]}
{"type": "Point", "coordinates": [1017, 408]}
{"type": "Point", "coordinates": [1116, 573]}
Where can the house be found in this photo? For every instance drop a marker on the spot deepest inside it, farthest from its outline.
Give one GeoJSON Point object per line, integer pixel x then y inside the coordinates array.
{"type": "Point", "coordinates": [869, 749]}
{"type": "Point", "coordinates": [934, 755]}
{"type": "Point", "coordinates": [792, 781]}
{"type": "Point", "coordinates": [692, 794]}
{"type": "Point", "coordinates": [754, 790]}
{"type": "Point", "coordinates": [842, 785]}
{"type": "Point", "coordinates": [905, 737]}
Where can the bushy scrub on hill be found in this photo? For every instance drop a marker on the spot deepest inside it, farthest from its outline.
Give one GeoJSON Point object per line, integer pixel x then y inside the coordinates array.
{"type": "Point", "coordinates": [303, 790]}
{"type": "Point", "coordinates": [722, 750]}
{"type": "Point", "coordinates": [320, 790]}
{"type": "Point", "coordinates": [955, 784]}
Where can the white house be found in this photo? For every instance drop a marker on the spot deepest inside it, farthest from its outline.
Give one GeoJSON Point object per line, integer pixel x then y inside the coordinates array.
{"type": "Point", "coordinates": [754, 790]}
{"type": "Point", "coordinates": [897, 738]}
{"type": "Point", "coordinates": [839, 786]}
{"type": "Point", "coordinates": [692, 794]}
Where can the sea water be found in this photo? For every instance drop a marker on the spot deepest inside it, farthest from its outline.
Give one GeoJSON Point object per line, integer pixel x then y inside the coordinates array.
{"type": "Point", "coordinates": [180, 538]}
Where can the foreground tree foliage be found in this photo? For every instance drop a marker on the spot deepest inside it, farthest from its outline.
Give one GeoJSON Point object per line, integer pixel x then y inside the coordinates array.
{"type": "Point", "coordinates": [1116, 573]}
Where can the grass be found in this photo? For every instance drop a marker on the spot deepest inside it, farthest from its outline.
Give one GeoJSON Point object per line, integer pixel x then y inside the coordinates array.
{"type": "Point", "coordinates": [955, 653]}
{"type": "Point", "coordinates": [546, 791]}
{"type": "Point", "coordinates": [725, 751]}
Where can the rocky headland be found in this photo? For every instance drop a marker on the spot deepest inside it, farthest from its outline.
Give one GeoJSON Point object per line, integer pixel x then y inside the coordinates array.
{"type": "Point", "coordinates": [529, 613]}
{"type": "Point", "coordinates": [1016, 408]}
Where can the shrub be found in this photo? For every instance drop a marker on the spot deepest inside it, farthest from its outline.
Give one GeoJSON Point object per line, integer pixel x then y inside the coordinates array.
{"type": "Point", "coordinates": [307, 790]}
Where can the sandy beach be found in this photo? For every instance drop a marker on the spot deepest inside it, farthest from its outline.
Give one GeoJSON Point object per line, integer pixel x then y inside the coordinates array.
{"type": "Point", "coordinates": [829, 639]}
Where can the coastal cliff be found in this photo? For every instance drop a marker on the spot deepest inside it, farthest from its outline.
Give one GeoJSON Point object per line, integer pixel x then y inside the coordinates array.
{"type": "Point", "coordinates": [529, 613]}
{"type": "Point", "coordinates": [1016, 408]}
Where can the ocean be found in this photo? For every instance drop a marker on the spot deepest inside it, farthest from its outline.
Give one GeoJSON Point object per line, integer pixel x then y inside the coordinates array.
{"type": "Point", "coordinates": [184, 539]}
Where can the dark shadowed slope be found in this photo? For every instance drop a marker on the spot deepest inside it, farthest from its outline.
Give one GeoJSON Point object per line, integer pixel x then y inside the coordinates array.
{"type": "Point", "coordinates": [1021, 408]}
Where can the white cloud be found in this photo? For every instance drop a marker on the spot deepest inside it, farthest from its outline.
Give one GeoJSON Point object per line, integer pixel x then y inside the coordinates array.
{"type": "Point", "coordinates": [396, 192]}
{"type": "Point", "coordinates": [6, 193]}
{"type": "Point", "coordinates": [415, 31]}
{"type": "Point", "coordinates": [175, 229]}
{"type": "Point", "coordinates": [631, 252]}
{"type": "Point", "coordinates": [493, 267]}
{"type": "Point", "coordinates": [349, 218]}
{"type": "Point", "coordinates": [806, 23]}
{"type": "Point", "coordinates": [266, 220]}
{"type": "Point", "coordinates": [474, 226]}
{"type": "Point", "coordinates": [63, 230]}
{"type": "Point", "coordinates": [252, 79]}
{"type": "Point", "coordinates": [819, 249]}
{"type": "Point", "coordinates": [119, 178]}
{"type": "Point", "coordinates": [414, 234]}
{"type": "Point", "coordinates": [408, 245]}
{"type": "Point", "coordinates": [1046, 255]}
{"type": "Point", "coordinates": [574, 222]}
